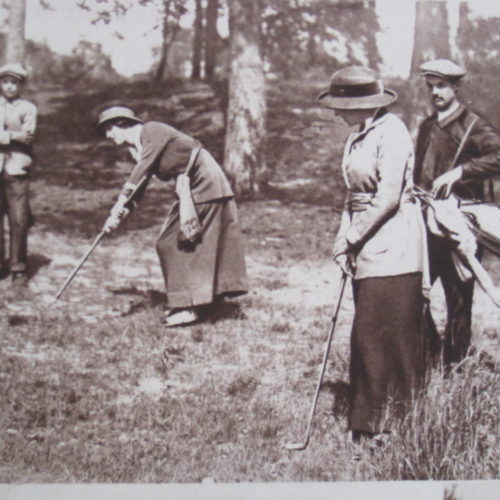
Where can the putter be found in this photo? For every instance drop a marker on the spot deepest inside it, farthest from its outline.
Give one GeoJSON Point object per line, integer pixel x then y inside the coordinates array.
{"type": "Point", "coordinates": [299, 446]}
{"type": "Point", "coordinates": [69, 279]}
{"type": "Point", "coordinates": [97, 240]}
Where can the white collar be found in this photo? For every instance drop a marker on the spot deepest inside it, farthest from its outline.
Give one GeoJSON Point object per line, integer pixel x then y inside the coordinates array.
{"type": "Point", "coordinates": [442, 115]}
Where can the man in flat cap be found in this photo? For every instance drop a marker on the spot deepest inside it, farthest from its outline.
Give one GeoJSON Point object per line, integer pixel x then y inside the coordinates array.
{"type": "Point", "coordinates": [456, 152]}
{"type": "Point", "coordinates": [17, 128]}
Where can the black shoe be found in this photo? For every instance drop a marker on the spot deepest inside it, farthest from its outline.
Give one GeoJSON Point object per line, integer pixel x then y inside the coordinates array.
{"type": "Point", "coordinates": [20, 278]}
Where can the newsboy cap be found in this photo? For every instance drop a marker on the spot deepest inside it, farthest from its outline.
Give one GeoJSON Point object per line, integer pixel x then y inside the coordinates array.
{"type": "Point", "coordinates": [356, 87]}
{"type": "Point", "coordinates": [444, 68]}
{"type": "Point", "coordinates": [15, 70]}
{"type": "Point", "coordinates": [115, 113]}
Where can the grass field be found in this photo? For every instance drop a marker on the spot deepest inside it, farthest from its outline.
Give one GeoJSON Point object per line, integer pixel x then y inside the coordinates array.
{"type": "Point", "coordinates": [94, 389]}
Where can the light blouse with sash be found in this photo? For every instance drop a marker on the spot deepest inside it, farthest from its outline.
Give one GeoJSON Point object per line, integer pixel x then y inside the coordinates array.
{"type": "Point", "coordinates": [382, 220]}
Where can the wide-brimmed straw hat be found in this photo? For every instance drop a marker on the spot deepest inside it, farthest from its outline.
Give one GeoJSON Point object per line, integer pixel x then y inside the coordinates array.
{"type": "Point", "coordinates": [116, 113]}
{"type": "Point", "coordinates": [356, 87]}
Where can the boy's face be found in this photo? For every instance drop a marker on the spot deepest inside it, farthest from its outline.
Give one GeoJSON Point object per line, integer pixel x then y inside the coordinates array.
{"type": "Point", "coordinates": [442, 93]}
{"type": "Point", "coordinates": [10, 87]}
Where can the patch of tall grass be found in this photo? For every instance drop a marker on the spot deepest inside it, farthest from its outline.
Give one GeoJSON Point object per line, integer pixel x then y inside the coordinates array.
{"type": "Point", "coordinates": [451, 430]}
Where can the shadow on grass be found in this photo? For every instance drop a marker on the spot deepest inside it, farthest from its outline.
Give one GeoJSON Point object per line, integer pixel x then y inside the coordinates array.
{"type": "Point", "coordinates": [151, 299]}
{"type": "Point", "coordinates": [222, 310]}
{"type": "Point", "coordinates": [70, 152]}
{"type": "Point", "coordinates": [341, 392]}
{"type": "Point", "coordinates": [35, 262]}
{"type": "Point", "coordinates": [87, 223]}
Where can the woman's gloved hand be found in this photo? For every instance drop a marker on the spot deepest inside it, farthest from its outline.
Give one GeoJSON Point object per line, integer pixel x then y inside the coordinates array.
{"type": "Point", "coordinates": [343, 256]}
{"type": "Point", "coordinates": [118, 213]}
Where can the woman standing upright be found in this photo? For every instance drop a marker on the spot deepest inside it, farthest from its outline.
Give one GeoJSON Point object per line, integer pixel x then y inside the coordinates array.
{"type": "Point", "coordinates": [201, 257]}
{"type": "Point", "coordinates": [381, 243]}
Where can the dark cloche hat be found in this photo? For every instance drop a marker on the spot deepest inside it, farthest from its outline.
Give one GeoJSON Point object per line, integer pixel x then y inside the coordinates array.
{"type": "Point", "coordinates": [443, 68]}
{"type": "Point", "coordinates": [356, 87]}
{"type": "Point", "coordinates": [115, 113]}
{"type": "Point", "coordinates": [15, 70]}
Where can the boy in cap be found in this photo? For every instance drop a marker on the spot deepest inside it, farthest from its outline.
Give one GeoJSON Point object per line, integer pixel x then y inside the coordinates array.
{"type": "Point", "coordinates": [456, 152]}
{"type": "Point", "coordinates": [17, 128]}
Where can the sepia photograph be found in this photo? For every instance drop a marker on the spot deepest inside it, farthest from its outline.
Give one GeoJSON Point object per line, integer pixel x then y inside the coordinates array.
{"type": "Point", "coordinates": [249, 249]}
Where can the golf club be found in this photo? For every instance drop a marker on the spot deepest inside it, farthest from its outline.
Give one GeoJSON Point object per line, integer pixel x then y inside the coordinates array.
{"type": "Point", "coordinates": [298, 446]}
{"type": "Point", "coordinates": [98, 238]}
{"type": "Point", "coordinates": [69, 279]}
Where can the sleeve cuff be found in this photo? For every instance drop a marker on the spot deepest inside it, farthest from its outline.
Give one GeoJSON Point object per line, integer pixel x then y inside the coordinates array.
{"type": "Point", "coordinates": [352, 236]}
{"type": "Point", "coordinates": [467, 170]}
{"type": "Point", "coordinates": [5, 138]}
{"type": "Point", "coordinates": [128, 189]}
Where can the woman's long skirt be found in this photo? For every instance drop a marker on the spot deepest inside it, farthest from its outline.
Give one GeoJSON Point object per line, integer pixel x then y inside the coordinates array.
{"type": "Point", "coordinates": [215, 266]}
{"type": "Point", "coordinates": [387, 348]}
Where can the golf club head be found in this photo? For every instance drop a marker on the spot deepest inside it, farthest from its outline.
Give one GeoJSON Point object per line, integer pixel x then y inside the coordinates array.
{"type": "Point", "coordinates": [296, 446]}
{"type": "Point", "coordinates": [48, 300]}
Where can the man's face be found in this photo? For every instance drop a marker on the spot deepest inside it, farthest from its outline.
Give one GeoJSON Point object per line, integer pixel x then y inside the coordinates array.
{"type": "Point", "coordinates": [10, 86]}
{"type": "Point", "coordinates": [442, 93]}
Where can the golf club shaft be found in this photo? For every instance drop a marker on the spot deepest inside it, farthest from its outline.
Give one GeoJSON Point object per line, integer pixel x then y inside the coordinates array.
{"type": "Point", "coordinates": [325, 357]}
{"type": "Point", "coordinates": [69, 279]}
{"type": "Point", "coordinates": [99, 237]}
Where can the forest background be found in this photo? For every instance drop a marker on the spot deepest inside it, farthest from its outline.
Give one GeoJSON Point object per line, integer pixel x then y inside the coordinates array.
{"type": "Point", "coordinates": [96, 389]}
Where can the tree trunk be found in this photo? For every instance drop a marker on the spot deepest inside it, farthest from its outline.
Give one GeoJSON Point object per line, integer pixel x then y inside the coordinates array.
{"type": "Point", "coordinates": [453, 7]}
{"type": "Point", "coordinates": [211, 39]}
{"type": "Point", "coordinates": [432, 33]}
{"type": "Point", "coordinates": [15, 50]}
{"type": "Point", "coordinates": [197, 42]}
{"type": "Point", "coordinates": [245, 135]}
{"type": "Point", "coordinates": [162, 64]}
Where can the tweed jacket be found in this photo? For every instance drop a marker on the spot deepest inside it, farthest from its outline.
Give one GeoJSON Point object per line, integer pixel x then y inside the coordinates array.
{"type": "Point", "coordinates": [165, 154]}
{"type": "Point", "coordinates": [382, 221]}
{"type": "Point", "coordinates": [16, 116]}
{"type": "Point", "coordinates": [438, 142]}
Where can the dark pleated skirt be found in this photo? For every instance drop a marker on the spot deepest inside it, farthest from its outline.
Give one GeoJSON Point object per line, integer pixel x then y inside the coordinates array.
{"type": "Point", "coordinates": [387, 347]}
{"type": "Point", "coordinates": [196, 274]}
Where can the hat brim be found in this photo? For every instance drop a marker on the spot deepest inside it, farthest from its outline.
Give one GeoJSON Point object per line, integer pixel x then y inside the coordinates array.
{"type": "Point", "coordinates": [364, 102]}
{"type": "Point", "coordinates": [100, 124]}
{"type": "Point", "coordinates": [449, 78]}
{"type": "Point", "coordinates": [17, 76]}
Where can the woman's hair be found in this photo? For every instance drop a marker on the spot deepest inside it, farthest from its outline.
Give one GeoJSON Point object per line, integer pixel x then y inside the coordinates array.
{"type": "Point", "coordinates": [121, 122]}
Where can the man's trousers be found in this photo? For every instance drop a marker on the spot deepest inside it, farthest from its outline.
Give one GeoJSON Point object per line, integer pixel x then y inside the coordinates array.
{"type": "Point", "coordinates": [458, 330]}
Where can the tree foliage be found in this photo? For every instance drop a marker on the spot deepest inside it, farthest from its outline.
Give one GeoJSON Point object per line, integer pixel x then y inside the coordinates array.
{"type": "Point", "coordinates": [303, 34]}
{"type": "Point", "coordinates": [87, 64]}
{"type": "Point", "coordinates": [168, 14]}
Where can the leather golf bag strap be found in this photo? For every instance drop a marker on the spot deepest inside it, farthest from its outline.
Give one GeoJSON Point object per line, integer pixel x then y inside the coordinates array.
{"type": "Point", "coordinates": [463, 141]}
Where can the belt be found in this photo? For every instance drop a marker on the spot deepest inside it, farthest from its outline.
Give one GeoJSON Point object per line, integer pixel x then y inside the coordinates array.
{"type": "Point", "coordinates": [359, 202]}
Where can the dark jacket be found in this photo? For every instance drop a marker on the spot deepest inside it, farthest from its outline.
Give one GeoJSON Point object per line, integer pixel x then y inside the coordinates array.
{"type": "Point", "coordinates": [165, 154]}
{"type": "Point", "coordinates": [438, 142]}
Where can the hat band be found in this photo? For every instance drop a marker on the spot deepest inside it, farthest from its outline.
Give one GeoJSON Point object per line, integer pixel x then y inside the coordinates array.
{"type": "Point", "coordinates": [358, 90]}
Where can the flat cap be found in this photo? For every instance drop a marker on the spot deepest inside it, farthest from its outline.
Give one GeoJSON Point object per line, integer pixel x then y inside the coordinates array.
{"type": "Point", "coordinates": [444, 68]}
{"type": "Point", "coordinates": [115, 113]}
{"type": "Point", "coordinates": [15, 70]}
